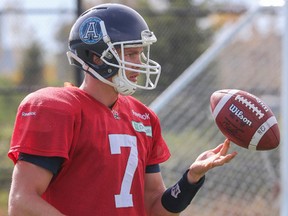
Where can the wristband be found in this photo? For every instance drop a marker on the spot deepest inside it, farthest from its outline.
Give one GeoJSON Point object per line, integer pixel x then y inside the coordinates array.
{"type": "Point", "coordinates": [176, 198]}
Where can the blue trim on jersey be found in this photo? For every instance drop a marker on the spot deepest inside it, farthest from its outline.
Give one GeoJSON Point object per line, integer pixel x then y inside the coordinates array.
{"type": "Point", "coordinates": [52, 164]}
{"type": "Point", "coordinates": [152, 168]}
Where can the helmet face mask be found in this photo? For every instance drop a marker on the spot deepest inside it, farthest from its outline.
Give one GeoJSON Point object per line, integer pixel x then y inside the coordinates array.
{"type": "Point", "coordinates": [106, 31]}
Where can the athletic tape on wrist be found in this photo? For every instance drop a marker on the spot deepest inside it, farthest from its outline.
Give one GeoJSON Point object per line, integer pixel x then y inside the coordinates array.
{"type": "Point", "coordinates": [176, 198]}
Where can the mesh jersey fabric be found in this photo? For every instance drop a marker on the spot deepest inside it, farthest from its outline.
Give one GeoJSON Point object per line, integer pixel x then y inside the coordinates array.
{"type": "Point", "coordinates": [106, 150]}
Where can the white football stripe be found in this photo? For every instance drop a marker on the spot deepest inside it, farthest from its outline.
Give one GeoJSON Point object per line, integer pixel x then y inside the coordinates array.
{"type": "Point", "coordinates": [223, 101]}
{"type": "Point", "coordinates": [261, 131]}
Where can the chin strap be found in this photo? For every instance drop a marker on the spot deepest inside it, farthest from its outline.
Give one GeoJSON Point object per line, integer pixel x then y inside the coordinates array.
{"type": "Point", "coordinates": [120, 85]}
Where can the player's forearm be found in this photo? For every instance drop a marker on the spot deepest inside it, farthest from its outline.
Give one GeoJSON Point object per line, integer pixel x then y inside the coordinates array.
{"type": "Point", "coordinates": [30, 205]}
{"type": "Point", "coordinates": [159, 210]}
{"type": "Point", "coordinates": [154, 206]}
{"type": "Point", "coordinates": [176, 198]}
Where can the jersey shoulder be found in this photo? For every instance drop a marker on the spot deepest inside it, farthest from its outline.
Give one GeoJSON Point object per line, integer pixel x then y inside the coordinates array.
{"type": "Point", "coordinates": [56, 98]}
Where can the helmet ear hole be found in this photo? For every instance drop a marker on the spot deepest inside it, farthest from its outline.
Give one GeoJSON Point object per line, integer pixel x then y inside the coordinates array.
{"type": "Point", "coordinates": [87, 53]}
{"type": "Point", "coordinates": [96, 60]}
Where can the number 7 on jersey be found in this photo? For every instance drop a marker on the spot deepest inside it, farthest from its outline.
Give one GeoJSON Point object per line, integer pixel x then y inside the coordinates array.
{"type": "Point", "coordinates": [124, 199]}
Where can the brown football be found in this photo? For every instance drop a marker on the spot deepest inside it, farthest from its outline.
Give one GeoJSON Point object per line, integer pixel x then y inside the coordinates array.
{"type": "Point", "coordinates": [245, 119]}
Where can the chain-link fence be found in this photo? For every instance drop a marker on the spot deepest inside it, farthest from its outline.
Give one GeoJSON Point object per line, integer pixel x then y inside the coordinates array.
{"type": "Point", "coordinates": [249, 185]}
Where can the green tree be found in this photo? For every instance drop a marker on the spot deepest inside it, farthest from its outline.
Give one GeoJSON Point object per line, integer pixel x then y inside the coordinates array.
{"type": "Point", "coordinates": [180, 39]}
{"type": "Point", "coordinates": [33, 66]}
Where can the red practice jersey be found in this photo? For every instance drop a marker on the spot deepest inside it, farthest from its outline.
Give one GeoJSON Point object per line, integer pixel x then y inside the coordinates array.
{"type": "Point", "coordinates": [106, 150]}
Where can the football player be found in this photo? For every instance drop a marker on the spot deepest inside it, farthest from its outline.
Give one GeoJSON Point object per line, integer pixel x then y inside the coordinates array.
{"type": "Point", "coordinates": [94, 149]}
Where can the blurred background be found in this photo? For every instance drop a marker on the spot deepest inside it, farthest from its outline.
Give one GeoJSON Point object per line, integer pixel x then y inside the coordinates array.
{"type": "Point", "coordinates": [206, 44]}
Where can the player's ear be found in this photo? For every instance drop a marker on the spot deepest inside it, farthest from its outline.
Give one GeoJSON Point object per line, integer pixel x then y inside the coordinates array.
{"type": "Point", "coordinates": [96, 60]}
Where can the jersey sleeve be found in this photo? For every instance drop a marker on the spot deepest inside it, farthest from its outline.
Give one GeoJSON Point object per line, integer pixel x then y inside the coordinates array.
{"type": "Point", "coordinates": [43, 127]}
{"type": "Point", "coordinates": [160, 151]}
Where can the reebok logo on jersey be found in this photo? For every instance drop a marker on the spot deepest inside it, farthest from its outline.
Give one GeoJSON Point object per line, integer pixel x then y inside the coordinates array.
{"type": "Point", "coordinates": [138, 126]}
{"type": "Point", "coordinates": [144, 116]}
{"type": "Point", "coordinates": [28, 113]}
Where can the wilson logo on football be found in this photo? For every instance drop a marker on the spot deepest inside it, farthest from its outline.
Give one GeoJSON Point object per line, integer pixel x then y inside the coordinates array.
{"type": "Point", "coordinates": [239, 113]}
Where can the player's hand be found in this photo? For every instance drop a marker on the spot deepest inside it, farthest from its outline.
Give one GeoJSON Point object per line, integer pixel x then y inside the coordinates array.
{"type": "Point", "coordinates": [210, 159]}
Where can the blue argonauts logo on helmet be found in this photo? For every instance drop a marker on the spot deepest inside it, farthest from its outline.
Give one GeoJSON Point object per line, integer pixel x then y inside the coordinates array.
{"type": "Point", "coordinates": [90, 30]}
